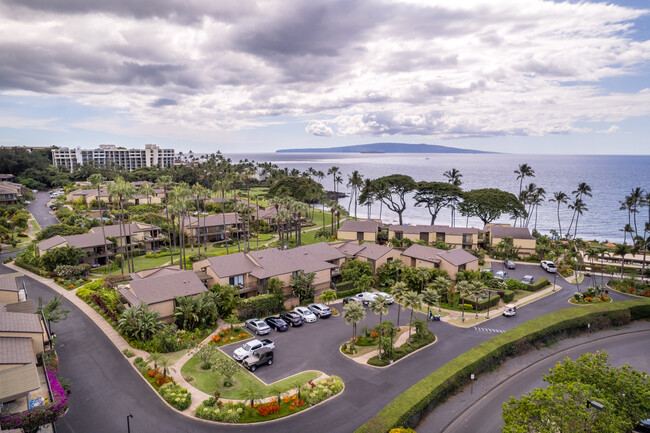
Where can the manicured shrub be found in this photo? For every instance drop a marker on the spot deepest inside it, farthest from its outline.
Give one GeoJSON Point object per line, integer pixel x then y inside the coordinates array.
{"type": "Point", "coordinates": [508, 296]}
{"type": "Point", "coordinates": [178, 397]}
{"type": "Point", "coordinates": [230, 412]}
{"type": "Point", "coordinates": [422, 397]}
{"type": "Point", "coordinates": [538, 285]}
{"type": "Point", "coordinates": [259, 306]}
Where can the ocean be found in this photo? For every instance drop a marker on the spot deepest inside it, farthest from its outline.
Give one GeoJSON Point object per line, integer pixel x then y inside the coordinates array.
{"type": "Point", "coordinates": [611, 178]}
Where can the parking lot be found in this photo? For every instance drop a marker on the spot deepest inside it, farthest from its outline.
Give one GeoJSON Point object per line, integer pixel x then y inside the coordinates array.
{"type": "Point", "coordinates": [522, 269]}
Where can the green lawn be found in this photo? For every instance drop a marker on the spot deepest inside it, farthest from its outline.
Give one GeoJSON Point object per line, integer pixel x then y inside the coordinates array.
{"type": "Point", "coordinates": [173, 357]}
{"type": "Point", "coordinates": [35, 227]}
{"type": "Point", "coordinates": [142, 262]}
{"type": "Point", "coordinates": [209, 381]}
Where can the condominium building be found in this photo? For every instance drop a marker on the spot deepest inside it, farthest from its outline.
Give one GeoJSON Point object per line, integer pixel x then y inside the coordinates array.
{"type": "Point", "coordinates": [109, 155]}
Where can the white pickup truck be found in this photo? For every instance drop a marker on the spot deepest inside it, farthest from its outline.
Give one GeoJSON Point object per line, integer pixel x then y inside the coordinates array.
{"type": "Point", "coordinates": [248, 348]}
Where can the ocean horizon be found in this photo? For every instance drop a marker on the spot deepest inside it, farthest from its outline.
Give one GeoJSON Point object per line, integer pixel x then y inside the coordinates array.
{"type": "Point", "coordinates": [611, 178]}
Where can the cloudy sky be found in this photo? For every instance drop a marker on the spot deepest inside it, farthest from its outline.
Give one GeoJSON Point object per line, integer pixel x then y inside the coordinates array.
{"type": "Point", "coordinates": [248, 76]}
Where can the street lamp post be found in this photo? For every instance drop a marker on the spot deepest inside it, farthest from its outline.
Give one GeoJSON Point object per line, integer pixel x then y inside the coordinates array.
{"type": "Point", "coordinates": [128, 423]}
{"type": "Point", "coordinates": [489, 295]}
{"type": "Point", "coordinates": [595, 405]}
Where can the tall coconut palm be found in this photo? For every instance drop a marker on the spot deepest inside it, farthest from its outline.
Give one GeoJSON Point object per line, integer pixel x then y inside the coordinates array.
{"type": "Point", "coordinates": [165, 182]}
{"type": "Point", "coordinates": [430, 297]}
{"type": "Point", "coordinates": [583, 190]}
{"type": "Point", "coordinates": [181, 195]}
{"type": "Point", "coordinates": [476, 291]}
{"type": "Point", "coordinates": [148, 191]}
{"type": "Point", "coordinates": [223, 186]}
{"type": "Point", "coordinates": [379, 305]}
{"type": "Point", "coordinates": [367, 196]}
{"type": "Point", "coordinates": [592, 254]}
{"type": "Point", "coordinates": [282, 219]}
{"type": "Point", "coordinates": [442, 286]}
{"type": "Point", "coordinates": [355, 182]}
{"type": "Point", "coordinates": [199, 193]}
{"type": "Point", "coordinates": [412, 300]}
{"type": "Point", "coordinates": [97, 180]}
{"type": "Point", "coordinates": [398, 291]}
{"type": "Point", "coordinates": [353, 312]}
{"type": "Point", "coordinates": [559, 198]}
{"type": "Point", "coordinates": [627, 205]}
{"type": "Point", "coordinates": [636, 198]}
{"type": "Point", "coordinates": [244, 210]}
{"type": "Point", "coordinates": [334, 171]}
{"type": "Point", "coordinates": [299, 209]}
{"type": "Point", "coordinates": [522, 173]}
{"type": "Point", "coordinates": [423, 274]}
{"type": "Point", "coordinates": [453, 177]}
{"type": "Point", "coordinates": [579, 208]}
{"type": "Point", "coordinates": [122, 191]}
{"type": "Point", "coordinates": [622, 250]}
{"type": "Point", "coordinates": [463, 289]}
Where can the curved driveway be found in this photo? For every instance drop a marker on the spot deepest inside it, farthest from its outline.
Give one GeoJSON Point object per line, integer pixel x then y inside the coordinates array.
{"type": "Point", "coordinates": [106, 389]}
{"type": "Point", "coordinates": [485, 413]}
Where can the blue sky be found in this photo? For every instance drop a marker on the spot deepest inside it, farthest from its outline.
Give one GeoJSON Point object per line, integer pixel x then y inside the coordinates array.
{"type": "Point", "coordinates": [508, 76]}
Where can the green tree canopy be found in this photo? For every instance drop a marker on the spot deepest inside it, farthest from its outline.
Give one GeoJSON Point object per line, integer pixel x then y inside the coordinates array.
{"type": "Point", "coordinates": [299, 188]}
{"type": "Point", "coordinates": [435, 196]}
{"type": "Point", "coordinates": [354, 269]}
{"type": "Point", "coordinates": [392, 190]}
{"type": "Point", "coordinates": [489, 204]}
{"type": "Point", "coordinates": [563, 405]}
{"type": "Point", "coordinates": [61, 256]}
{"type": "Point", "coordinates": [59, 229]}
{"type": "Point", "coordinates": [302, 285]}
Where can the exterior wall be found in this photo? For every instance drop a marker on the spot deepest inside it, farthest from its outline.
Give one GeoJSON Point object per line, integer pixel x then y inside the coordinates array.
{"type": "Point", "coordinates": [62, 244]}
{"type": "Point", "coordinates": [526, 246]}
{"type": "Point", "coordinates": [369, 237]}
{"type": "Point", "coordinates": [392, 254]}
{"type": "Point", "coordinates": [348, 236]}
{"type": "Point", "coordinates": [7, 297]}
{"type": "Point", "coordinates": [8, 366]}
{"type": "Point", "coordinates": [451, 269]}
{"type": "Point", "coordinates": [37, 339]}
{"type": "Point", "coordinates": [416, 263]}
{"type": "Point", "coordinates": [166, 310]}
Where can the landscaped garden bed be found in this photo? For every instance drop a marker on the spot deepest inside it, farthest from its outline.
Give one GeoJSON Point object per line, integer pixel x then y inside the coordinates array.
{"type": "Point", "coordinates": [229, 335]}
{"type": "Point", "coordinates": [173, 394]}
{"type": "Point", "coordinates": [631, 286]}
{"type": "Point", "coordinates": [307, 395]}
{"type": "Point", "coordinates": [236, 383]}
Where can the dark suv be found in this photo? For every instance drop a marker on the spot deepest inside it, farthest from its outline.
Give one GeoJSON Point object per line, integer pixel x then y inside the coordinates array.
{"type": "Point", "coordinates": [277, 323]}
{"type": "Point", "coordinates": [261, 356]}
{"type": "Point", "coordinates": [292, 318]}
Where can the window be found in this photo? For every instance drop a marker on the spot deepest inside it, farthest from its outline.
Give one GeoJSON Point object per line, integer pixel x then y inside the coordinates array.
{"type": "Point", "coordinates": [399, 235]}
{"type": "Point", "coordinates": [467, 239]}
{"type": "Point", "coordinates": [440, 237]}
{"type": "Point", "coordinates": [237, 280]}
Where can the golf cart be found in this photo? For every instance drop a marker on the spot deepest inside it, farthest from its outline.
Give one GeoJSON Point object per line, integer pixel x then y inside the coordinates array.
{"type": "Point", "coordinates": [510, 311]}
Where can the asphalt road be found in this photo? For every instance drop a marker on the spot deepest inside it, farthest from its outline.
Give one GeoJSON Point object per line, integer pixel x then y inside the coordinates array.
{"type": "Point", "coordinates": [106, 389]}
{"type": "Point", "coordinates": [41, 211]}
{"type": "Point", "coordinates": [524, 375]}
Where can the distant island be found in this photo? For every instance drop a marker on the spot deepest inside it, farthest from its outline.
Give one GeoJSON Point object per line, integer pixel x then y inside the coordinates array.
{"type": "Point", "coordinates": [383, 148]}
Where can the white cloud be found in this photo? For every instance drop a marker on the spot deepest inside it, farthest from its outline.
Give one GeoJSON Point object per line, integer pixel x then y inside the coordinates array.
{"type": "Point", "coordinates": [441, 68]}
{"type": "Point", "coordinates": [318, 128]}
{"type": "Point", "coordinates": [614, 129]}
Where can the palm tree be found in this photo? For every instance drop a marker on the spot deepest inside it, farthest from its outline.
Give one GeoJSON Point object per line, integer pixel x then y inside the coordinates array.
{"type": "Point", "coordinates": [355, 181]}
{"type": "Point", "coordinates": [199, 193]}
{"type": "Point", "coordinates": [442, 286]}
{"type": "Point", "coordinates": [430, 297]}
{"type": "Point", "coordinates": [164, 363]}
{"type": "Point", "coordinates": [223, 186]}
{"type": "Point", "coordinates": [476, 291]}
{"type": "Point", "coordinates": [148, 191]}
{"type": "Point", "coordinates": [622, 250]}
{"type": "Point", "coordinates": [327, 296]}
{"type": "Point", "coordinates": [453, 177]}
{"type": "Point", "coordinates": [592, 254]}
{"type": "Point", "coordinates": [244, 210]}
{"type": "Point", "coordinates": [412, 300]}
{"type": "Point", "coordinates": [398, 291]}
{"type": "Point", "coordinates": [379, 305]}
{"type": "Point", "coordinates": [636, 197]}
{"type": "Point", "coordinates": [250, 393]}
{"type": "Point", "coordinates": [180, 197]}
{"type": "Point", "coordinates": [155, 357]}
{"type": "Point", "coordinates": [281, 219]}
{"type": "Point", "coordinates": [463, 288]}
{"type": "Point", "coordinates": [96, 180]}
{"type": "Point", "coordinates": [367, 196]}
{"type": "Point", "coordinates": [123, 191]}
{"type": "Point", "coordinates": [353, 313]}
{"type": "Point", "coordinates": [559, 198]}
{"type": "Point", "coordinates": [423, 274]}
{"type": "Point", "coordinates": [583, 190]}
{"type": "Point", "coordinates": [165, 182]}
{"type": "Point", "coordinates": [334, 171]}
{"type": "Point", "coordinates": [523, 172]}
{"type": "Point", "coordinates": [578, 207]}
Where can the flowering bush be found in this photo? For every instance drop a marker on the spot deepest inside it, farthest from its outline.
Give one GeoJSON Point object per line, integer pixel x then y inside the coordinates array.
{"type": "Point", "coordinates": [178, 397]}
{"type": "Point", "coordinates": [216, 338]}
{"type": "Point", "coordinates": [589, 299]}
{"type": "Point", "coordinates": [33, 418]}
{"type": "Point", "coordinates": [315, 392]}
{"type": "Point", "coordinates": [230, 412]}
{"type": "Point", "coordinates": [374, 335]}
{"type": "Point", "coordinates": [269, 408]}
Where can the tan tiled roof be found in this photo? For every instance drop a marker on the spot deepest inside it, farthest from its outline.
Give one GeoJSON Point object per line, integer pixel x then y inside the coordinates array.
{"type": "Point", "coordinates": [114, 230]}
{"type": "Point", "coordinates": [360, 226]}
{"type": "Point", "coordinates": [275, 262]}
{"type": "Point", "coordinates": [214, 220]}
{"type": "Point", "coordinates": [20, 322]}
{"type": "Point", "coordinates": [27, 306]}
{"type": "Point", "coordinates": [458, 257]}
{"type": "Point", "coordinates": [421, 252]}
{"type": "Point", "coordinates": [373, 251]}
{"type": "Point", "coordinates": [51, 242]}
{"type": "Point", "coordinates": [321, 251]}
{"type": "Point", "coordinates": [86, 240]}
{"type": "Point", "coordinates": [510, 232]}
{"type": "Point", "coordinates": [18, 381]}
{"type": "Point", "coordinates": [166, 287]}
{"type": "Point", "coordinates": [8, 284]}
{"type": "Point", "coordinates": [231, 265]}
{"type": "Point", "coordinates": [350, 249]}
{"type": "Point", "coordinates": [417, 229]}
{"type": "Point", "coordinates": [16, 350]}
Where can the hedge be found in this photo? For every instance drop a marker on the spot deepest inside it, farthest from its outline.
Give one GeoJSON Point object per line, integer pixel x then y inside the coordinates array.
{"type": "Point", "coordinates": [518, 285]}
{"type": "Point", "coordinates": [259, 306]}
{"type": "Point", "coordinates": [422, 397]}
{"type": "Point", "coordinates": [345, 293]}
{"type": "Point", "coordinates": [538, 285]}
{"type": "Point", "coordinates": [508, 296]}
{"type": "Point", "coordinates": [483, 303]}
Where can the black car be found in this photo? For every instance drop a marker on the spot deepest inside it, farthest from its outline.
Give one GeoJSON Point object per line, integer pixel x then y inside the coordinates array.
{"type": "Point", "coordinates": [291, 318]}
{"type": "Point", "coordinates": [277, 323]}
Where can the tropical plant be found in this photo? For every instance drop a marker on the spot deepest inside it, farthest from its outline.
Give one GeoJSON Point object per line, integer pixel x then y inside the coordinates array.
{"type": "Point", "coordinates": [327, 296]}
{"type": "Point", "coordinates": [412, 300]}
{"type": "Point", "coordinates": [430, 298]}
{"type": "Point", "coordinates": [398, 291]}
{"type": "Point", "coordinates": [622, 250]}
{"type": "Point", "coordinates": [53, 311]}
{"type": "Point", "coordinates": [435, 196]}
{"type": "Point", "coordinates": [379, 305]}
{"type": "Point", "coordinates": [302, 285]}
{"type": "Point", "coordinates": [453, 177]}
{"type": "Point", "coordinates": [476, 291]}
{"type": "Point", "coordinates": [463, 287]}
{"type": "Point", "coordinates": [139, 322]}
{"type": "Point", "coordinates": [353, 313]}
{"type": "Point", "coordinates": [559, 198]}
{"type": "Point", "coordinates": [96, 181]}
